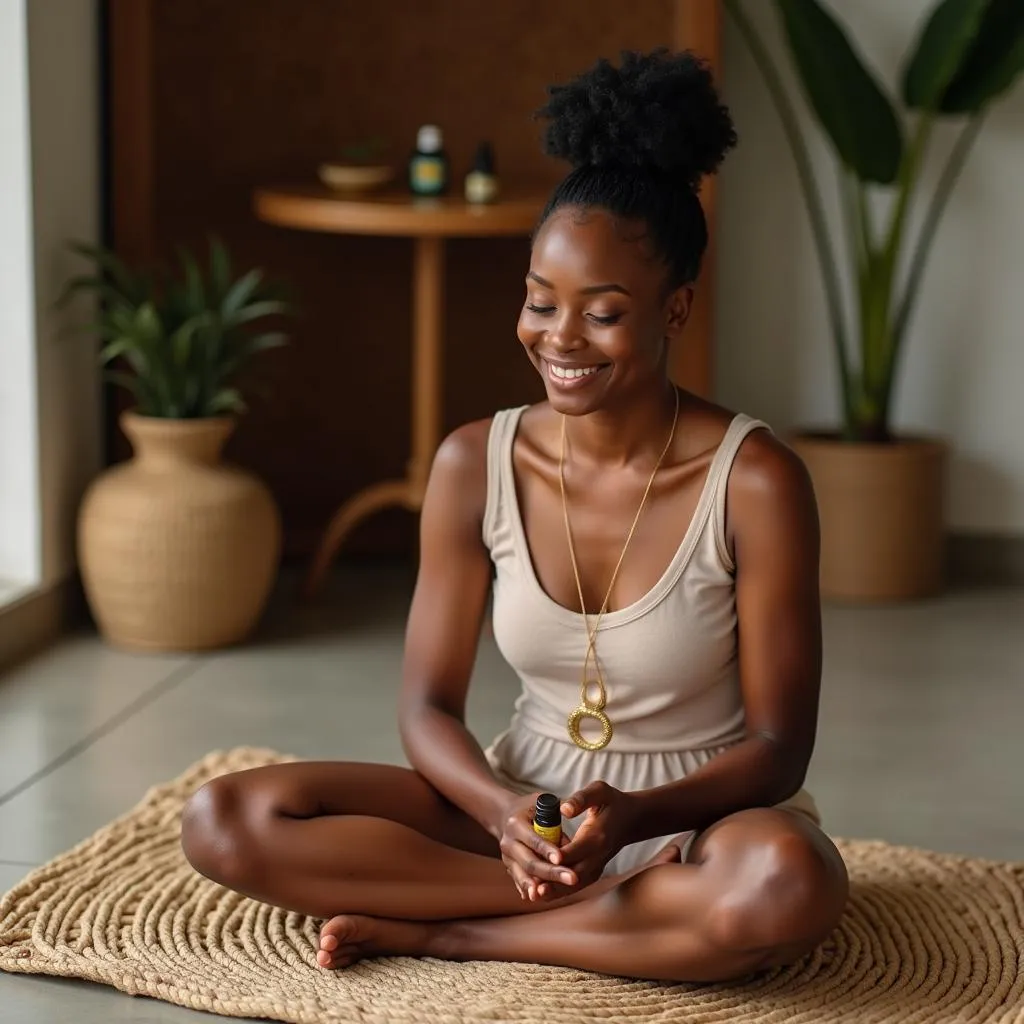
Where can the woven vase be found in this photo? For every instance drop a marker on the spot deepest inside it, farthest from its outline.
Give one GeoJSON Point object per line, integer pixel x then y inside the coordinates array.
{"type": "Point", "coordinates": [881, 508]}
{"type": "Point", "coordinates": [177, 551]}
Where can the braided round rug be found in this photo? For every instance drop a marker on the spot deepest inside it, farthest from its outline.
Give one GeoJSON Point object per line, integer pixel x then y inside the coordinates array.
{"type": "Point", "coordinates": [926, 938]}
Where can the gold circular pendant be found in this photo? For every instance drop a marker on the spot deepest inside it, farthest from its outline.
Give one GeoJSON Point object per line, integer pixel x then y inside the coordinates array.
{"type": "Point", "coordinates": [577, 716]}
{"type": "Point", "coordinates": [602, 699]}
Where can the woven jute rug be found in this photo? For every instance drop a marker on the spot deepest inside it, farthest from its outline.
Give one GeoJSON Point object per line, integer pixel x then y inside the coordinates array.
{"type": "Point", "coordinates": [926, 938]}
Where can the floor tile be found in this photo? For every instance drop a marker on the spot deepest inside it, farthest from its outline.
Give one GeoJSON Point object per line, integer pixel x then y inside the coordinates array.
{"type": "Point", "coordinates": [51, 702]}
{"type": "Point", "coordinates": [312, 697]}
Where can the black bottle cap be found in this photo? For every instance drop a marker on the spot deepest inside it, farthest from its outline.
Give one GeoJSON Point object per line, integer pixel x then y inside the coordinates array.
{"type": "Point", "coordinates": [484, 159]}
{"type": "Point", "coordinates": [548, 811]}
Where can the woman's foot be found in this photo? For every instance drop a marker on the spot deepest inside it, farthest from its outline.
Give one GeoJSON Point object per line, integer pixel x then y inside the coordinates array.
{"type": "Point", "coordinates": [350, 937]}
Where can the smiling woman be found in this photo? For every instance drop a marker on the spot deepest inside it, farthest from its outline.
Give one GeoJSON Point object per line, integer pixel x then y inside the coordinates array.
{"type": "Point", "coordinates": [653, 560]}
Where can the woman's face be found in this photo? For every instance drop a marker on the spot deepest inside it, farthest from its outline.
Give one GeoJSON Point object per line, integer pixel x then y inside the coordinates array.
{"type": "Point", "coordinates": [597, 322]}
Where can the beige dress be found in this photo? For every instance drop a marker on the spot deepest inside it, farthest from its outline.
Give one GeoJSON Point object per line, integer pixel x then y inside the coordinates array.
{"type": "Point", "coordinates": [669, 659]}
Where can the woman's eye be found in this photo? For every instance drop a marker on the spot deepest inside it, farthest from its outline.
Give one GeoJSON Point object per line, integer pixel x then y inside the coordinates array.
{"type": "Point", "coordinates": [606, 321]}
{"type": "Point", "coordinates": [539, 309]}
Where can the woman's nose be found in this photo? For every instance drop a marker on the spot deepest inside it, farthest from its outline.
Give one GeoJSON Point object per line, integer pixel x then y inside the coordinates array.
{"type": "Point", "coordinates": [565, 335]}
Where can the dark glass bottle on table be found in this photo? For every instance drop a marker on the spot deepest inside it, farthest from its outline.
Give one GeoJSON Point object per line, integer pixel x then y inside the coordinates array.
{"type": "Point", "coordinates": [428, 165]}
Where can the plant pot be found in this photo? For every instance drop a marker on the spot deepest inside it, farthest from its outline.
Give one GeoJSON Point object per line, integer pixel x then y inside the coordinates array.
{"type": "Point", "coordinates": [177, 551]}
{"type": "Point", "coordinates": [882, 516]}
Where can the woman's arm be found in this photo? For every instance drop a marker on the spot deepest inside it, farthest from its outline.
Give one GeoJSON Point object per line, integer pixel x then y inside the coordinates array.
{"type": "Point", "coordinates": [443, 631]}
{"type": "Point", "coordinates": [773, 521]}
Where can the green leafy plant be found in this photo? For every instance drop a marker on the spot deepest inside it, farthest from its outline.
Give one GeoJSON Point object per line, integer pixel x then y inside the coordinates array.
{"type": "Point", "coordinates": [182, 340]}
{"type": "Point", "coordinates": [967, 55]}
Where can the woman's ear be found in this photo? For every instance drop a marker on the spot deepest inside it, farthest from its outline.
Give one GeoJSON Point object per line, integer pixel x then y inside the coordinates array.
{"type": "Point", "coordinates": [680, 302]}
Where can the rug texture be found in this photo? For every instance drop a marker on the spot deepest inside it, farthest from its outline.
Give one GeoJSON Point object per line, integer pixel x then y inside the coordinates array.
{"type": "Point", "coordinates": [926, 938]}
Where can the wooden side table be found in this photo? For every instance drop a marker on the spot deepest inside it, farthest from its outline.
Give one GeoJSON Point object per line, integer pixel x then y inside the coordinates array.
{"type": "Point", "coordinates": [428, 222]}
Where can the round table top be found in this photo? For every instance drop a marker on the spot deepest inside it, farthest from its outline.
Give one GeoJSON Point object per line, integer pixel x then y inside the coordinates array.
{"type": "Point", "coordinates": [317, 208]}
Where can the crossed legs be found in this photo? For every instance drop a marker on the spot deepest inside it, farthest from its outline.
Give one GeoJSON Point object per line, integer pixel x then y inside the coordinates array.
{"type": "Point", "coordinates": [396, 869]}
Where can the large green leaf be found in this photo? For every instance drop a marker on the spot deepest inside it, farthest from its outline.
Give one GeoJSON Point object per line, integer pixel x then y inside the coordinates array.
{"type": "Point", "coordinates": [240, 293]}
{"type": "Point", "coordinates": [946, 38]}
{"type": "Point", "coordinates": [220, 270]}
{"type": "Point", "coordinates": [128, 283]}
{"type": "Point", "coordinates": [193, 293]}
{"type": "Point", "coordinates": [226, 400]}
{"type": "Point", "coordinates": [257, 310]}
{"type": "Point", "coordinates": [848, 101]}
{"type": "Point", "coordinates": [994, 61]}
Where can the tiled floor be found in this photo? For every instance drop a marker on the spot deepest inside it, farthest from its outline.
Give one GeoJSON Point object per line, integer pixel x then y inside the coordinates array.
{"type": "Point", "coordinates": [920, 739]}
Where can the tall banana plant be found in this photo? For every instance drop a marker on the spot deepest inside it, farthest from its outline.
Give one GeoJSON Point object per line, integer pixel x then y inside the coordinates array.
{"type": "Point", "coordinates": [967, 55]}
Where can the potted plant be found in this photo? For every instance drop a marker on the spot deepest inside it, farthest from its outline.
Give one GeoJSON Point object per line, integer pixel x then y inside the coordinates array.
{"type": "Point", "coordinates": [177, 550]}
{"type": "Point", "coordinates": [881, 496]}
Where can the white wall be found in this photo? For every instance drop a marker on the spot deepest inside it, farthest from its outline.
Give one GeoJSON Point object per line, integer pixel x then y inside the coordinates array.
{"type": "Point", "coordinates": [64, 91]}
{"type": "Point", "coordinates": [49, 194]}
{"type": "Point", "coordinates": [20, 549]}
{"type": "Point", "coordinates": [963, 371]}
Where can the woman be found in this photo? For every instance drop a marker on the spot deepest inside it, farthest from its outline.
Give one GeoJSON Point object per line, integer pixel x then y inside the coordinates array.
{"type": "Point", "coordinates": [675, 718]}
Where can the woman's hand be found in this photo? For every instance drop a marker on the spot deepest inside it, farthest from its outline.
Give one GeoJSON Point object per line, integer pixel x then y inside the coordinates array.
{"type": "Point", "coordinates": [606, 829]}
{"type": "Point", "coordinates": [533, 862]}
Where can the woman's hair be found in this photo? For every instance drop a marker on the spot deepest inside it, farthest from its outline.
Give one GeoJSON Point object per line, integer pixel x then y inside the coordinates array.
{"type": "Point", "coordinates": [640, 138]}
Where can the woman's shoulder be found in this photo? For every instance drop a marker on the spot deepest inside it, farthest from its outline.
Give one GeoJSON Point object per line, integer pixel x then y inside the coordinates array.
{"type": "Point", "coordinates": [460, 463]}
{"type": "Point", "coordinates": [708, 426]}
{"type": "Point", "coordinates": [767, 480]}
{"type": "Point", "coordinates": [462, 455]}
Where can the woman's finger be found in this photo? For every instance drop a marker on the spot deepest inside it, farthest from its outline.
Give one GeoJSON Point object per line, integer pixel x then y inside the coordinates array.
{"type": "Point", "coordinates": [515, 851]}
{"type": "Point", "coordinates": [521, 880]}
{"type": "Point", "coordinates": [542, 871]}
{"type": "Point", "coordinates": [520, 825]}
{"type": "Point", "coordinates": [523, 833]}
{"type": "Point", "coordinates": [592, 795]}
{"type": "Point", "coordinates": [585, 844]}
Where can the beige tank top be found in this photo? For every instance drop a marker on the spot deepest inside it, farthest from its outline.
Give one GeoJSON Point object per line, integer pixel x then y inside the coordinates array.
{"type": "Point", "coordinates": [669, 659]}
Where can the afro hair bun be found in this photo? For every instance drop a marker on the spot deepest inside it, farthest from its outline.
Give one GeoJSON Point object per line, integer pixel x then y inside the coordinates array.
{"type": "Point", "coordinates": [657, 111]}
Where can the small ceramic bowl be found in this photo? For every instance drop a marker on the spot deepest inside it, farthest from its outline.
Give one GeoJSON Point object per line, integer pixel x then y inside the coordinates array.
{"type": "Point", "coordinates": [355, 177]}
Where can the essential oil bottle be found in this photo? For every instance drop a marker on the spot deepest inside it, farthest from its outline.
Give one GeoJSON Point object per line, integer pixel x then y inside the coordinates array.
{"type": "Point", "coordinates": [547, 818]}
{"type": "Point", "coordinates": [428, 166]}
{"type": "Point", "coordinates": [481, 182]}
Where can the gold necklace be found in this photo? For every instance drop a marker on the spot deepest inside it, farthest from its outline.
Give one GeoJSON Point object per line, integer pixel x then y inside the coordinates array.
{"type": "Point", "coordinates": [588, 708]}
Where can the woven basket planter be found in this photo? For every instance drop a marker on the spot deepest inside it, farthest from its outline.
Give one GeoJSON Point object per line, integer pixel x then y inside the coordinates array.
{"type": "Point", "coordinates": [882, 516]}
{"type": "Point", "coordinates": [177, 550]}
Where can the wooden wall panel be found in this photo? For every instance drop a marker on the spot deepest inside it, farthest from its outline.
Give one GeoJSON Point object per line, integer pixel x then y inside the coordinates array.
{"type": "Point", "coordinates": [698, 28]}
{"type": "Point", "coordinates": [244, 93]}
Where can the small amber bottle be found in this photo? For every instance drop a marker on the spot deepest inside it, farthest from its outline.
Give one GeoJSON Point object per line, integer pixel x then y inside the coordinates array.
{"type": "Point", "coordinates": [547, 818]}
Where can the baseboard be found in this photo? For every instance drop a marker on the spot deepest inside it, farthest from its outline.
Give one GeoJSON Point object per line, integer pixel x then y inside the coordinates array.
{"type": "Point", "coordinates": [982, 559]}
{"type": "Point", "coordinates": [34, 621]}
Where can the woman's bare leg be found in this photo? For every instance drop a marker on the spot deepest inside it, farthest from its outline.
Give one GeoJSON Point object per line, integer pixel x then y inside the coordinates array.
{"type": "Point", "coordinates": [760, 888]}
{"type": "Point", "coordinates": [324, 838]}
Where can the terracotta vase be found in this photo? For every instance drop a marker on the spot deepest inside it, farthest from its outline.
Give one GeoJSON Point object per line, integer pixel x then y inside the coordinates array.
{"type": "Point", "coordinates": [882, 516]}
{"type": "Point", "coordinates": [177, 550]}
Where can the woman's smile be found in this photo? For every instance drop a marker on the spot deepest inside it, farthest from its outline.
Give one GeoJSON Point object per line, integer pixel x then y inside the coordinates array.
{"type": "Point", "coordinates": [571, 376]}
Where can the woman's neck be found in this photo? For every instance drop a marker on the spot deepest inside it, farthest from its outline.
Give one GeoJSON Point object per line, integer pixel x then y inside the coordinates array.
{"type": "Point", "coordinates": [630, 434]}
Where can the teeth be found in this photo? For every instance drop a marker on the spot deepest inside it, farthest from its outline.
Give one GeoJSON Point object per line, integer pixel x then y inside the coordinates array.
{"type": "Point", "coordinates": [559, 371]}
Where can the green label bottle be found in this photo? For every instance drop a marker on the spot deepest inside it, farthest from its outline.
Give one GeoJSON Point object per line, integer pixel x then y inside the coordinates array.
{"type": "Point", "coordinates": [428, 166]}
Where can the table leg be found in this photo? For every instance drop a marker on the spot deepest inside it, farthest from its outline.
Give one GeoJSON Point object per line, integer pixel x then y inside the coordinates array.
{"type": "Point", "coordinates": [428, 323]}
{"type": "Point", "coordinates": [428, 309]}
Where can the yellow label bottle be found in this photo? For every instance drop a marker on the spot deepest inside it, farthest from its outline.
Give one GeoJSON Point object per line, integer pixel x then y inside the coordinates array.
{"type": "Point", "coordinates": [547, 818]}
